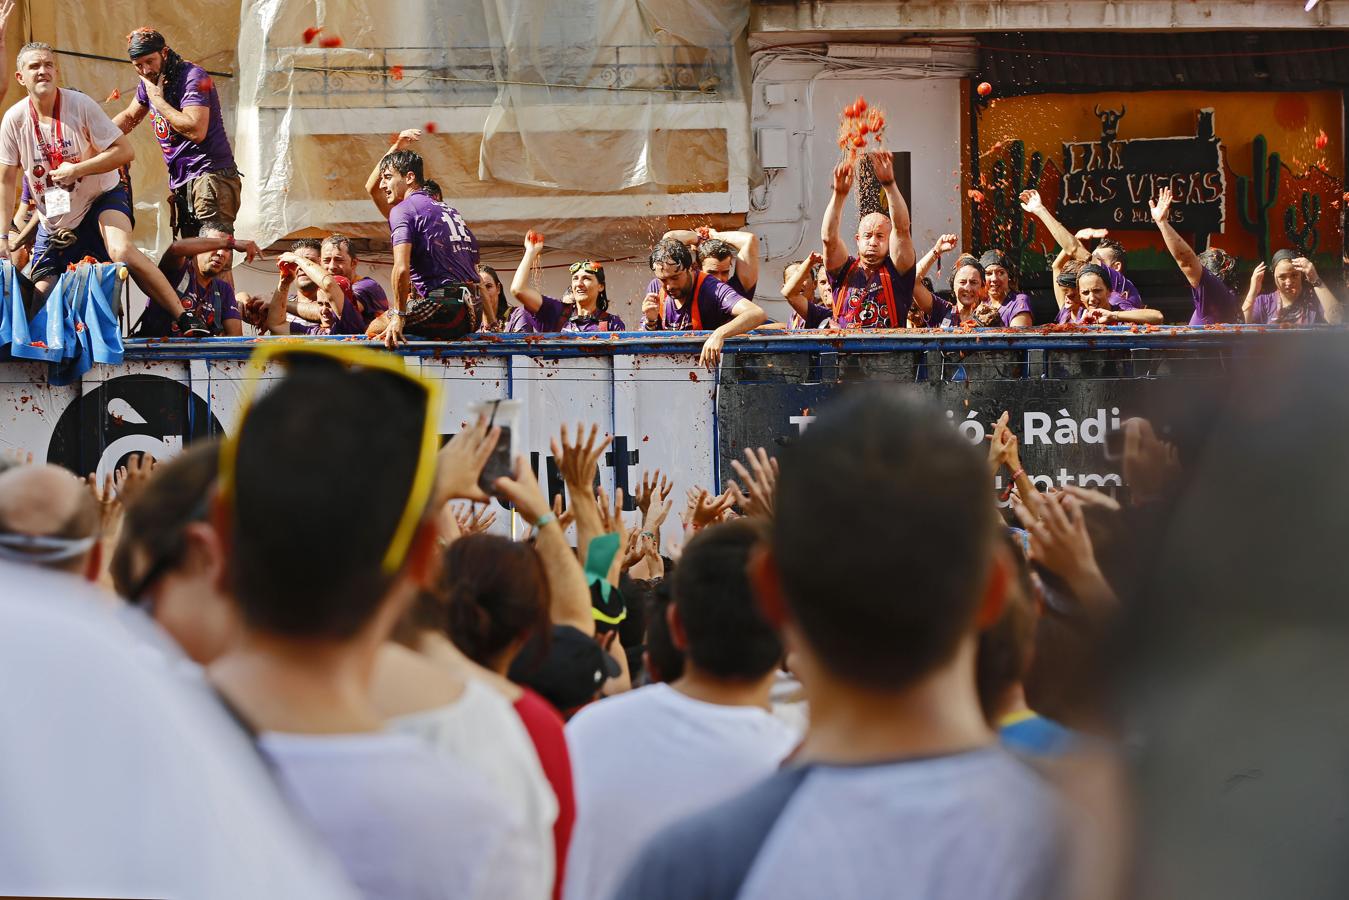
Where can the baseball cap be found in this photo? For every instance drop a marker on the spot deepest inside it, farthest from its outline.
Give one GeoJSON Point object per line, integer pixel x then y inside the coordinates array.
{"type": "Point", "coordinates": [569, 673]}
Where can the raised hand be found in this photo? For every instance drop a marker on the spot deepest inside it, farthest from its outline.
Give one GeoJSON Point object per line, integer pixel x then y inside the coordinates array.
{"type": "Point", "coordinates": [843, 178]}
{"type": "Point", "coordinates": [1308, 270]}
{"type": "Point", "coordinates": [1091, 234]}
{"type": "Point", "coordinates": [1031, 202]}
{"type": "Point", "coordinates": [407, 137]}
{"type": "Point", "coordinates": [1161, 207]}
{"type": "Point", "coordinates": [460, 462]}
{"type": "Point", "coordinates": [1151, 465]}
{"type": "Point", "coordinates": [564, 516]}
{"type": "Point", "coordinates": [1258, 278]}
{"type": "Point", "coordinates": [654, 486]}
{"type": "Point", "coordinates": [945, 244]}
{"type": "Point", "coordinates": [522, 491]}
{"type": "Point", "coordinates": [704, 509]}
{"type": "Point", "coordinates": [883, 165]}
{"type": "Point", "coordinates": [129, 480]}
{"type": "Point", "coordinates": [760, 478]}
{"type": "Point", "coordinates": [577, 461]}
{"type": "Point", "coordinates": [474, 519]}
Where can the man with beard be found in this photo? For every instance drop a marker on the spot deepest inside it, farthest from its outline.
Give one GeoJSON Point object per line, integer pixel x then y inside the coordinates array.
{"type": "Point", "coordinates": [873, 289]}
{"type": "Point", "coordinates": [338, 258]}
{"type": "Point", "coordinates": [196, 267]}
{"type": "Point", "coordinates": [679, 300]}
{"type": "Point", "coordinates": [322, 303]}
{"type": "Point", "coordinates": [191, 132]}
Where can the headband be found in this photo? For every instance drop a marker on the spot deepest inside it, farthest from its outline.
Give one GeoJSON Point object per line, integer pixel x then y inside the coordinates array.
{"type": "Point", "coordinates": [995, 258]}
{"type": "Point", "coordinates": [143, 41]}
{"type": "Point", "coordinates": [1098, 270]}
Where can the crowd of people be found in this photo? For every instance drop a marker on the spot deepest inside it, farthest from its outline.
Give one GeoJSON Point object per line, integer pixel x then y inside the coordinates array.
{"type": "Point", "coordinates": [380, 695]}
{"type": "Point", "coordinates": [64, 168]}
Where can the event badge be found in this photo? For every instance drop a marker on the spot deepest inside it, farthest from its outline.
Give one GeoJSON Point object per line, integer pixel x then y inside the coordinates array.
{"type": "Point", "coordinates": [56, 200]}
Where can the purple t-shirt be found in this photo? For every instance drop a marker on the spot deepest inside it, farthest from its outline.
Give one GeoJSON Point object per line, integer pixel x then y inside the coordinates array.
{"type": "Point", "coordinates": [1067, 316]}
{"type": "Point", "coordinates": [213, 303]}
{"type": "Point", "coordinates": [716, 301]}
{"type": "Point", "coordinates": [816, 315]}
{"type": "Point", "coordinates": [349, 322]}
{"type": "Point", "coordinates": [554, 315]}
{"type": "Point", "coordinates": [186, 160]}
{"type": "Point", "coordinates": [1123, 294]}
{"type": "Point", "coordinates": [1266, 309]}
{"type": "Point", "coordinates": [943, 314]}
{"type": "Point", "coordinates": [863, 304]}
{"type": "Point", "coordinates": [1214, 302]}
{"type": "Point", "coordinates": [1014, 307]}
{"type": "Point", "coordinates": [444, 250]}
{"type": "Point", "coordinates": [371, 296]}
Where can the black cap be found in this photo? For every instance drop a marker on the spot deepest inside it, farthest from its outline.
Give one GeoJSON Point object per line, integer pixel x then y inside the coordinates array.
{"type": "Point", "coordinates": [571, 671]}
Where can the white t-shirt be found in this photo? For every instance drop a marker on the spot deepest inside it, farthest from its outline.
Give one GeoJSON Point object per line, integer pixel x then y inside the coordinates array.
{"type": "Point", "coordinates": [86, 131]}
{"type": "Point", "coordinates": [404, 822]}
{"type": "Point", "coordinates": [646, 758]}
{"type": "Point", "coordinates": [118, 780]}
{"type": "Point", "coordinates": [483, 731]}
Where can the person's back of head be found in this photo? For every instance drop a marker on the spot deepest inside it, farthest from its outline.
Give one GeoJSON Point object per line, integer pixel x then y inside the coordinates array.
{"type": "Point", "coordinates": [492, 597]}
{"type": "Point", "coordinates": [48, 518]}
{"type": "Point", "coordinates": [662, 660]}
{"type": "Point", "coordinates": [306, 558]}
{"type": "Point", "coordinates": [168, 556]}
{"type": "Point", "coordinates": [723, 632]}
{"type": "Point", "coordinates": [894, 605]}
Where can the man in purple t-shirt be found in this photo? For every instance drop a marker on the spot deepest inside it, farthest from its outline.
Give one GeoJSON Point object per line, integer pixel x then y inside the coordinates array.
{"type": "Point", "coordinates": [196, 267]}
{"type": "Point", "coordinates": [1211, 276]}
{"type": "Point", "coordinates": [680, 299]}
{"type": "Point", "coordinates": [191, 133]}
{"type": "Point", "coordinates": [435, 256]}
{"type": "Point", "coordinates": [339, 258]}
{"type": "Point", "coordinates": [322, 302]}
{"type": "Point", "coordinates": [873, 289]}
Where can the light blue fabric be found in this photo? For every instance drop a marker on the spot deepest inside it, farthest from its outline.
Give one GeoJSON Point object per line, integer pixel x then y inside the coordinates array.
{"type": "Point", "coordinates": [75, 327]}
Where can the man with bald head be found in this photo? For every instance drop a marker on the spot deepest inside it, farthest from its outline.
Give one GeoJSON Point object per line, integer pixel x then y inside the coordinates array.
{"type": "Point", "coordinates": [873, 289]}
{"type": "Point", "coordinates": [48, 518]}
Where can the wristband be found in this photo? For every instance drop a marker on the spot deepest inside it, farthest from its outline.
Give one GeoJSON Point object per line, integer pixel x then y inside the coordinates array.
{"type": "Point", "coordinates": [648, 534]}
{"type": "Point", "coordinates": [229, 243]}
{"type": "Point", "coordinates": [395, 313]}
{"type": "Point", "coordinates": [1017, 474]}
{"type": "Point", "coordinates": [544, 521]}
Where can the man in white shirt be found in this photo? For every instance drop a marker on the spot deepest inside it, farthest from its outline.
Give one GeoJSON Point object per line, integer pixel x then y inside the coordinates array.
{"type": "Point", "coordinates": [652, 756]}
{"type": "Point", "coordinates": [317, 604]}
{"type": "Point", "coordinates": [899, 789]}
{"type": "Point", "coordinates": [69, 152]}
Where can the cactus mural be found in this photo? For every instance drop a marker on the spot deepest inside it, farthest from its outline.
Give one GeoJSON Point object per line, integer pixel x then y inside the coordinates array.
{"type": "Point", "coordinates": [1255, 195]}
{"type": "Point", "coordinates": [1305, 238]}
{"type": "Point", "coordinates": [1009, 231]}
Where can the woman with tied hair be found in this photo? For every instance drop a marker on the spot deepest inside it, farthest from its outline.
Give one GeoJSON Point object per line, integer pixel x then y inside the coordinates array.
{"type": "Point", "coordinates": [494, 306]}
{"type": "Point", "coordinates": [1103, 306]}
{"type": "Point", "coordinates": [585, 308]}
{"type": "Point", "coordinates": [1071, 308]}
{"type": "Point", "coordinates": [1013, 308]}
{"type": "Point", "coordinates": [1212, 274]}
{"type": "Point", "coordinates": [969, 290]}
{"type": "Point", "coordinates": [1299, 297]}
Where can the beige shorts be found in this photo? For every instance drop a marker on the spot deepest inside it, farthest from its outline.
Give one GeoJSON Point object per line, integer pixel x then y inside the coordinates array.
{"type": "Point", "coordinates": [213, 199]}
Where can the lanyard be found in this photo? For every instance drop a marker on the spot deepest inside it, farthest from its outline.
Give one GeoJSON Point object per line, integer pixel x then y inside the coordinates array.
{"type": "Point", "coordinates": [695, 314]}
{"type": "Point", "coordinates": [887, 294]}
{"type": "Point", "coordinates": [54, 157]}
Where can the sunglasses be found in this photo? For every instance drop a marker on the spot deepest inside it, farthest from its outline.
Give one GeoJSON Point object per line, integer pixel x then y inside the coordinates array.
{"type": "Point", "coordinates": [586, 265]}
{"type": "Point", "coordinates": [355, 359]}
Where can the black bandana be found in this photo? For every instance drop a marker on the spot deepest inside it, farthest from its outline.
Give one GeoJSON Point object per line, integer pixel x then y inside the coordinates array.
{"type": "Point", "coordinates": [143, 41]}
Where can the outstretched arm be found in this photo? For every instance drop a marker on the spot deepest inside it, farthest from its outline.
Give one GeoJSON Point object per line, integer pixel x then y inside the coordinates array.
{"type": "Point", "coordinates": [794, 291]}
{"type": "Point", "coordinates": [901, 229]}
{"type": "Point", "coordinates": [1257, 282]}
{"type": "Point", "coordinates": [529, 298]}
{"type": "Point", "coordinates": [835, 254]}
{"type": "Point", "coordinates": [1031, 203]}
{"type": "Point", "coordinates": [945, 244]}
{"type": "Point", "coordinates": [1181, 252]}
{"type": "Point", "coordinates": [747, 316]}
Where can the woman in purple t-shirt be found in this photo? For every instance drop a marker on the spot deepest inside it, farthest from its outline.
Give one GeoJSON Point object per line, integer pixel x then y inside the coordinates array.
{"type": "Point", "coordinates": [1299, 297]}
{"type": "Point", "coordinates": [1211, 275]}
{"type": "Point", "coordinates": [585, 309]}
{"type": "Point", "coordinates": [1013, 308]}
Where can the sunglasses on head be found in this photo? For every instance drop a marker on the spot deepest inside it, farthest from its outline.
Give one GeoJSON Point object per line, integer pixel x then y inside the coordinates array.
{"type": "Point", "coordinates": [586, 265]}
{"type": "Point", "coordinates": [355, 359]}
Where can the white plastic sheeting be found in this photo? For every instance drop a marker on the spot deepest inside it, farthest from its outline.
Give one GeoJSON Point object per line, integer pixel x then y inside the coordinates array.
{"type": "Point", "coordinates": [545, 112]}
